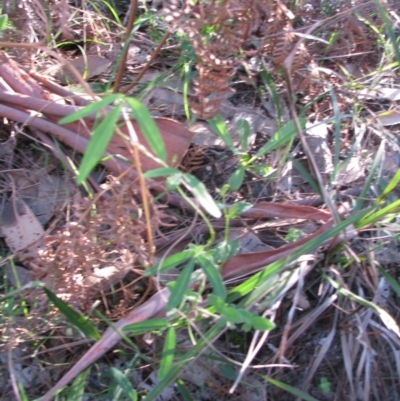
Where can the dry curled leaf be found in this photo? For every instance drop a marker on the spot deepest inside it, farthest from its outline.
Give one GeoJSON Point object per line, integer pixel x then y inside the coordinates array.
{"type": "Point", "coordinates": [20, 228]}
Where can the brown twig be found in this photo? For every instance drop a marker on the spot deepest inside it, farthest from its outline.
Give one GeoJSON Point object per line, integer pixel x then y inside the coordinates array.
{"type": "Point", "coordinates": [122, 63]}
{"type": "Point", "coordinates": [148, 64]}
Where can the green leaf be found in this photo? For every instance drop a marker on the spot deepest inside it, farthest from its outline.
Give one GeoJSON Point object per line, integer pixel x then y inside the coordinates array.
{"type": "Point", "coordinates": [173, 180]}
{"type": "Point", "coordinates": [232, 315]}
{"type": "Point", "coordinates": [3, 21]}
{"type": "Point", "coordinates": [262, 323]}
{"type": "Point", "coordinates": [217, 303]}
{"type": "Point", "coordinates": [225, 250]}
{"type": "Point", "coordinates": [238, 208]}
{"type": "Point", "coordinates": [148, 127]}
{"type": "Point", "coordinates": [228, 371]}
{"type": "Point", "coordinates": [199, 191]}
{"type": "Point", "coordinates": [168, 352]}
{"type": "Point", "coordinates": [91, 108]}
{"type": "Point", "coordinates": [124, 383]}
{"type": "Point", "coordinates": [98, 143]}
{"type": "Point", "coordinates": [246, 315]}
{"type": "Point", "coordinates": [170, 262]}
{"type": "Point", "coordinates": [146, 326]}
{"type": "Point", "coordinates": [79, 321]}
{"type": "Point", "coordinates": [218, 125]}
{"type": "Point", "coordinates": [292, 390]}
{"type": "Point", "coordinates": [213, 275]}
{"type": "Point", "coordinates": [180, 287]}
{"type": "Point", "coordinates": [236, 179]}
{"type": "Point", "coordinates": [161, 172]}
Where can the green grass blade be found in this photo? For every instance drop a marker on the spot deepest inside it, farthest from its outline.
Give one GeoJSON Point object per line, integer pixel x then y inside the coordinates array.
{"type": "Point", "coordinates": [292, 390]}
{"type": "Point", "coordinates": [271, 87]}
{"type": "Point", "coordinates": [91, 108]}
{"type": "Point", "coordinates": [284, 134]}
{"type": "Point", "coordinates": [377, 215]}
{"type": "Point", "coordinates": [368, 182]}
{"type": "Point", "coordinates": [124, 384]}
{"type": "Point", "coordinates": [394, 182]}
{"type": "Point", "coordinates": [306, 175]}
{"type": "Point", "coordinates": [168, 353]}
{"type": "Point", "coordinates": [161, 172]}
{"type": "Point", "coordinates": [148, 127]}
{"type": "Point", "coordinates": [183, 391]}
{"type": "Point", "coordinates": [392, 282]}
{"type": "Point", "coordinates": [79, 321]}
{"type": "Point", "coordinates": [146, 326]}
{"type": "Point", "coordinates": [98, 143]}
{"type": "Point", "coordinates": [389, 29]}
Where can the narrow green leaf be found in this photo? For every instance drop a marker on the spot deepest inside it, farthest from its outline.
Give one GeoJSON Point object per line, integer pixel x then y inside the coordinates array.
{"type": "Point", "coordinates": [389, 29]}
{"type": "Point", "coordinates": [146, 326]}
{"type": "Point", "coordinates": [91, 108]}
{"type": "Point", "coordinates": [170, 262]}
{"type": "Point", "coordinates": [284, 134]}
{"type": "Point", "coordinates": [181, 285]}
{"type": "Point", "coordinates": [218, 125]}
{"type": "Point", "coordinates": [183, 390]}
{"type": "Point", "coordinates": [236, 179]}
{"type": "Point", "coordinates": [161, 172]}
{"type": "Point", "coordinates": [292, 390]}
{"type": "Point", "coordinates": [148, 127]}
{"type": "Point", "coordinates": [173, 181]}
{"type": "Point", "coordinates": [98, 143]}
{"type": "Point", "coordinates": [168, 353]}
{"type": "Point", "coordinates": [213, 275]}
{"type": "Point", "coordinates": [392, 281]}
{"type": "Point", "coordinates": [378, 214]}
{"type": "Point", "coordinates": [124, 383]}
{"type": "Point", "coordinates": [199, 191]}
{"type": "Point", "coordinates": [79, 321]}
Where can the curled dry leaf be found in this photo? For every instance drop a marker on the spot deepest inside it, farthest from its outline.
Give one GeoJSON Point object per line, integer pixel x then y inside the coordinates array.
{"type": "Point", "coordinates": [88, 67]}
{"type": "Point", "coordinates": [42, 192]}
{"type": "Point", "coordinates": [20, 228]}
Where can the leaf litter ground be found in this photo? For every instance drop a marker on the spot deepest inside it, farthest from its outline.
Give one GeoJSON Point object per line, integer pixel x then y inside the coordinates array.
{"type": "Point", "coordinates": [326, 340]}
